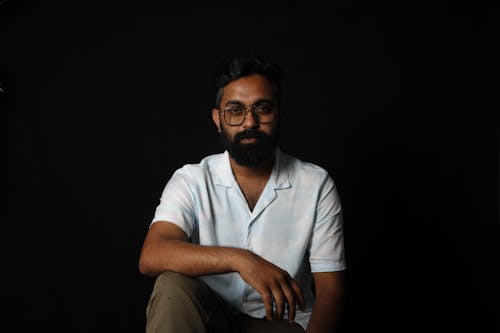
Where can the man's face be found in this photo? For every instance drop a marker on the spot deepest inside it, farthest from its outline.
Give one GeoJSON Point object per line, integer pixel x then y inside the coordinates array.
{"type": "Point", "coordinates": [252, 142]}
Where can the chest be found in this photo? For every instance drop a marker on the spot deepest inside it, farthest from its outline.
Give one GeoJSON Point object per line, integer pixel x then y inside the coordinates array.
{"type": "Point", "coordinates": [252, 193]}
{"type": "Point", "coordinates": [279, 218]}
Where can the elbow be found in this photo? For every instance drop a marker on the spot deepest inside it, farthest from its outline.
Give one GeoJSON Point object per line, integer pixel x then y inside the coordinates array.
{"type": "Point", "coordinates": [143, 269]}
{"type": "Point", "coordinates": [145, 266]}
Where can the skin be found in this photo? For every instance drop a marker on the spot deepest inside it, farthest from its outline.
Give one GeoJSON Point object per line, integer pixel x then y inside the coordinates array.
{"type": "Point", "coordinates": [248, 90]}
{"type": "Point", "coordinates": [166, 246]}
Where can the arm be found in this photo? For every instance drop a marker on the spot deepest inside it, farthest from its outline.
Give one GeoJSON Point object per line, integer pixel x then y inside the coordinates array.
{"type": "Point", "coordinates": [166, 248]}
{"type": "Point", "coordinates": [327, 307]}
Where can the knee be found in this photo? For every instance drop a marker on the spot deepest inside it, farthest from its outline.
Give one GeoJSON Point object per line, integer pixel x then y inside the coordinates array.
{"type": "Point", "coordinates": [175, 285]}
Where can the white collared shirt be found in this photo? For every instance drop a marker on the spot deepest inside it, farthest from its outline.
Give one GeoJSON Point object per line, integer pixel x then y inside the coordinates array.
{"type": "Point", "coordinates": [296, 223]}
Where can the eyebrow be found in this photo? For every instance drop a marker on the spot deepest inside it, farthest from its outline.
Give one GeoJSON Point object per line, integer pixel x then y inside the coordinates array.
{"type": "Point", "coordinates": [259, 101]}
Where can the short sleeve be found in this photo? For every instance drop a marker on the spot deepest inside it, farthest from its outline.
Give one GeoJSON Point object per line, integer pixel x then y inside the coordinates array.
{"type": "Point", "coordinates": [326, 248]}
{"type": "Point", "coordinates": [177, 204]}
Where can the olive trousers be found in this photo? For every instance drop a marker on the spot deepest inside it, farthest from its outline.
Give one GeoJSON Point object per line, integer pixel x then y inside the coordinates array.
{"type": "Point", "coordinates": [181, 304]}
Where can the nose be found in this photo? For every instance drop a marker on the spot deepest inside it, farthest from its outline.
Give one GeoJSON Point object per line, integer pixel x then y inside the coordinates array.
{"type": "Point", "coordinates": [251, 120]}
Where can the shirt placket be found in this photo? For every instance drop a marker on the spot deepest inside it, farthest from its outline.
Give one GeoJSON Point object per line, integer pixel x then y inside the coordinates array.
{"type": "Point", "coordinates": [267, 197]}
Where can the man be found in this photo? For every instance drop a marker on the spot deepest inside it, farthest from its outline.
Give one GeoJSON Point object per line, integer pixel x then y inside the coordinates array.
{"type": "Point", "coordinates": [249, 240]}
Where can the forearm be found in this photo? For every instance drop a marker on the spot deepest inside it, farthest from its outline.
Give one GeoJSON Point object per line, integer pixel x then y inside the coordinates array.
{"type": "Point", "coordinates": [166, 248]}
{"type": "Point", "coordinates": [188, 259]}
{"type": "Point", "coordinates": [328, 304]}
{"type": "Point", "coordinates": [325, 316]}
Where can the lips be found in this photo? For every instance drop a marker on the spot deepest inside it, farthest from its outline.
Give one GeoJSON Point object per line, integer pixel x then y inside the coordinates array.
{"type": "Point", "coordinates": [247, 139]}
{"type": "Point", "coordinates": [249, 136]}
{"type": "Point", "coordinates": [250, 140]}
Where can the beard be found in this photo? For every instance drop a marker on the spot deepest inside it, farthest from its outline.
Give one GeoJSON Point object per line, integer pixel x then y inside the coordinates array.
{"type": "Point", "coordinates": [251, 154]}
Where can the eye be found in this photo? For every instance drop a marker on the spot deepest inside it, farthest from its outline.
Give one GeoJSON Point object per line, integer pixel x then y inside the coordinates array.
{"type": "Point", "coordinates": [235, 110]}
{"type": "Point", "coordinates": [263, 109]}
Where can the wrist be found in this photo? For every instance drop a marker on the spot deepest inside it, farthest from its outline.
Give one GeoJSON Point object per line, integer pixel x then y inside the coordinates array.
{"type": "Point", "coordinates": [236, 259]}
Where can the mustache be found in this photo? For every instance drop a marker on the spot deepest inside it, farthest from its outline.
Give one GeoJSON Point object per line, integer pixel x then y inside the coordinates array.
{"type": "Point", "coordinates": [248, 134]}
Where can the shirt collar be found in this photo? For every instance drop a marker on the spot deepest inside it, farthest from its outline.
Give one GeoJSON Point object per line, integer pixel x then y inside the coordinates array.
{"type": "Point", "coordinates": [279, 178]}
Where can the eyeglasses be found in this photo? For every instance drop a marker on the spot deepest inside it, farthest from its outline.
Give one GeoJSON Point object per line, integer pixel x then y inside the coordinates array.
{"type": "Point", "coordinates": [235, 115]}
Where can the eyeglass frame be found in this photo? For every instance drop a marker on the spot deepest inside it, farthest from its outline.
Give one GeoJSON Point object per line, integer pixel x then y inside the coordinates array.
{"type": "Point", "coordinates": [247, 109]}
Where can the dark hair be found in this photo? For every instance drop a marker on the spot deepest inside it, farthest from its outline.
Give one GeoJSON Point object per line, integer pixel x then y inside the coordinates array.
{"type": "Point", "coordinates": [235, 67]}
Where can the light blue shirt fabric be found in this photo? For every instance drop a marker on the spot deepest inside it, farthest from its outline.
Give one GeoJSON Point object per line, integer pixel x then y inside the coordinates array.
{"type": "Point", "coordinates": [296, 223]}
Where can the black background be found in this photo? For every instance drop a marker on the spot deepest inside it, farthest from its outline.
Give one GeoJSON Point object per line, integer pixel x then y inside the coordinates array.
{"type": "Point", "coordinates": [104, 100]}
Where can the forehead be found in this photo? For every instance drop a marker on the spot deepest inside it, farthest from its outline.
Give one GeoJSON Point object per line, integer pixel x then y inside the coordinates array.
{"type": "Point", "coordinates": [248, 89]}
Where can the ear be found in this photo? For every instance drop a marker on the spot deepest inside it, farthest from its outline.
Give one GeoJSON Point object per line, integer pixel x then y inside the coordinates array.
{"type": "Point", "coordinates": [216, 118]}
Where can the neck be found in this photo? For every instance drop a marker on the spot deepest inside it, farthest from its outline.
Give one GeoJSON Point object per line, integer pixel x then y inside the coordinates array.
{"type": "Point", "coordinates": [263, 170]}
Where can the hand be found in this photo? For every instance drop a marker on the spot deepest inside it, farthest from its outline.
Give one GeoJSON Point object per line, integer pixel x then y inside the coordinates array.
{"type": "Point", "coordinates": [273, 284]}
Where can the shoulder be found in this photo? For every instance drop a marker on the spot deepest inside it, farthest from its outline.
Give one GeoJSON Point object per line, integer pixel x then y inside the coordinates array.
{"type": "Point", "coordinates": [301, 168]}
{"type": "Point", "coordinates": [205, 168]}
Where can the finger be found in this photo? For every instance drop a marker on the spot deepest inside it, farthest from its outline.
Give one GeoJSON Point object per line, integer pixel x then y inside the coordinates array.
{"type": "Point", "coordinates": [290, 297]}
{"type": "Point", "coordinates": [279, 299]}
{"type": "Point", "coordinates": [298, 293]}
{"type": "Point", "coordinates": [267, 298]}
